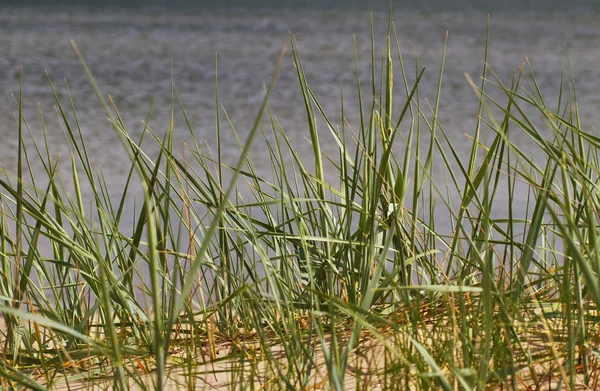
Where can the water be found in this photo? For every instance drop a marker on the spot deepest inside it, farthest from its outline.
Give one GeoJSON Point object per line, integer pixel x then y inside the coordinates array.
{"type": "Point", "coordinates": [133, 52]}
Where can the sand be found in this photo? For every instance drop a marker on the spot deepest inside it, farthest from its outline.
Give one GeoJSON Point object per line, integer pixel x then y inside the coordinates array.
{"type": "Point", "coordinates": [231, 365]}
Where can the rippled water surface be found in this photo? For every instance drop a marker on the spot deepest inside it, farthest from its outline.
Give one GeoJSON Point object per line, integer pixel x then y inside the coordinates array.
{"type": "Point", "coordinates": [134, 51]}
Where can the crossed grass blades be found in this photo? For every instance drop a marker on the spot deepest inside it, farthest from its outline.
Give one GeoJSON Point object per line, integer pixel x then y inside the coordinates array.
{"type": "Point", "coordinates": [311, 274]}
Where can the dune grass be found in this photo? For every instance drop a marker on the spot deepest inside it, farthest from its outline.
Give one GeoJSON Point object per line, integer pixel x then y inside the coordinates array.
{"type": "Point", "coordinates": [310, 274]}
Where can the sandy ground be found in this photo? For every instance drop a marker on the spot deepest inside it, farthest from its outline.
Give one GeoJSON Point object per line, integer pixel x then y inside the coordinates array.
{"type": "Point", "coordinates": [367, 375]}
{"type": "Point", "coordinates": [225, 373]}
{"type": "Point", "coordinates": [229, 365]}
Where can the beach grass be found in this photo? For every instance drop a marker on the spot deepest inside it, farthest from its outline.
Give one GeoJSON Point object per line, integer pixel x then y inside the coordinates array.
{"type": "Point", "coordinates": [355, 271]}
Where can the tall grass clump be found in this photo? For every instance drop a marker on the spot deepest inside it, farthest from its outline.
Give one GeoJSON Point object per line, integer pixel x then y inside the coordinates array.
{"type": "Point", "coordinates": [359, 271]}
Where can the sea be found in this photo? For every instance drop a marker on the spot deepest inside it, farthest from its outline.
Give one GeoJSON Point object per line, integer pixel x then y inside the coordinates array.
{"type": "Point", "coordinates": [138, 51]}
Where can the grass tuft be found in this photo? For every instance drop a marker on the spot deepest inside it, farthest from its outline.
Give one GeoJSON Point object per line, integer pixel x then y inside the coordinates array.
{"type": "Point", "coordinates": [364, 272]}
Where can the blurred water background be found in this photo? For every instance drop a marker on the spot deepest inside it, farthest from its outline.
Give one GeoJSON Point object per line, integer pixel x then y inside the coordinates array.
{"type": "Point", "coordinates": [134, 48]}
